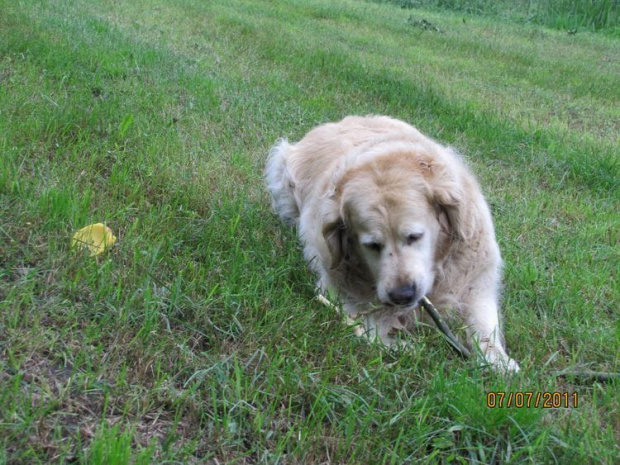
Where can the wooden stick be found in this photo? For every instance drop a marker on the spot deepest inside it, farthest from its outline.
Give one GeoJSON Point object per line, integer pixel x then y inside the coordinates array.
{"type": "Point", "coordinates": [321, 298]}
{"type": "Point", "coordinates": [587, 375]}
{"type": "Point", "coordinates": [443, 327]}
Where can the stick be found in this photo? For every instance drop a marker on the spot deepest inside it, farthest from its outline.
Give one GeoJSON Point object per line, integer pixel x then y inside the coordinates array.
{"type": "Point", "coordinates": [443, 327]}
{"type": "Point", "coordinates": [321, 298]}
{"type": "Point", "coordinates": [358, 328]}
{"type": "Point", "coordinates": [587, 375]}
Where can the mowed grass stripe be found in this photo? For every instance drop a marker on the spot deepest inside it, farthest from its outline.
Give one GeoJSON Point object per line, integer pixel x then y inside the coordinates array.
{"type": "Point", "coordinates": [411, 80]}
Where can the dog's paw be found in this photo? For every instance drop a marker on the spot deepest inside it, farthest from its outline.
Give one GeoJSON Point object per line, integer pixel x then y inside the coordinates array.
{"type": "Point", "coordinates": [500, 362]}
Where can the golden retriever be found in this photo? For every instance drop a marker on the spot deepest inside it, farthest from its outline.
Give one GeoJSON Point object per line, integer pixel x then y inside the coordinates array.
{"type": "Point", "coordinates": [386, 216]}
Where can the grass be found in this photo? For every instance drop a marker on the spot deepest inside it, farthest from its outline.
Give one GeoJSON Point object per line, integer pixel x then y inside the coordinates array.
{"type": "Point", "coordinates": [196, 338]}
{"type": "Point", "coordinates": [571, 15]}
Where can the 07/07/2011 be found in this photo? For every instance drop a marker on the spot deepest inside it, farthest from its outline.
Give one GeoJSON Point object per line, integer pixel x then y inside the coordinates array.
{"type": "Point", "coordinates": [531, 399]}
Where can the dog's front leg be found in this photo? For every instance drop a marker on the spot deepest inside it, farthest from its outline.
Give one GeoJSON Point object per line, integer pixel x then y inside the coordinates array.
{"type": "Point", "coordinates": [484, 334]}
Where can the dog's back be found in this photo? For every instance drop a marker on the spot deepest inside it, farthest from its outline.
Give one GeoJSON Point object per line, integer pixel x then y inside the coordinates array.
{"type": "Point", "coordinates": [295, 171]}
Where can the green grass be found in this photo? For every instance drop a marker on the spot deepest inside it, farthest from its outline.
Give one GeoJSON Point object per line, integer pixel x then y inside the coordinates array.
{"type": "Point", "coordinates": [196, 337]}
{"type": "Point", "coordinates": [571, 15]}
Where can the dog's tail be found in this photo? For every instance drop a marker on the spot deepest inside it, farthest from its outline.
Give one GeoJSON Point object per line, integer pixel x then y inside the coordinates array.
{"type": "Point", "coordinates": [281, 184]}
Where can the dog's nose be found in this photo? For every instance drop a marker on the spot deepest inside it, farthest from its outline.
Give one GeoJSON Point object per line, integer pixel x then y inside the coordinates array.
{"type": "Point", "coordinates": [403, 295]}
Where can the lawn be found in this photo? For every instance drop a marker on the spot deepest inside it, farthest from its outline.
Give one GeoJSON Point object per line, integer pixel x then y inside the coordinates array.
{"type": "Point", "coordinates": [196, 338]}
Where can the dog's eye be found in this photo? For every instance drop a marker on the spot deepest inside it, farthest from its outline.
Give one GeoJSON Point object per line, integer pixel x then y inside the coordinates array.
{"type": "Point", "coordinates": [411, 238]}
{"type": "Point", "coordinates": [374, 246]}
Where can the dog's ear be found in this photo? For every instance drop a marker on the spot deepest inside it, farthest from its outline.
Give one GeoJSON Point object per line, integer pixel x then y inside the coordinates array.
{"type": "Point", "coordinates": [334, 233]}
{"type": "Point", "coordinates": [449, 197]}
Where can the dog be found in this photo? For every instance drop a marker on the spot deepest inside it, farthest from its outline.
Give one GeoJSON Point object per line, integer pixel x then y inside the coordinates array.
{"type": "Point", "coordinates": [387, 216]}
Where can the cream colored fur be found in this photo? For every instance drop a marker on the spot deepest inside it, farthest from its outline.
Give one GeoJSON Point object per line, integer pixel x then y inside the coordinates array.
{"type": "Point", "coordinates": [387, 215]}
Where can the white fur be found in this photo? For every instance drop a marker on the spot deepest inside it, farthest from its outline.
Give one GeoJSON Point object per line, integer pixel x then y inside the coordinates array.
{"type": "Point", "coordinates": [387, 215]}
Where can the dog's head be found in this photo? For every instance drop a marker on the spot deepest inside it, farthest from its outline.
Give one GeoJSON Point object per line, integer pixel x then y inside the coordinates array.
{"type": "Point", "coordinates": [393, 218]}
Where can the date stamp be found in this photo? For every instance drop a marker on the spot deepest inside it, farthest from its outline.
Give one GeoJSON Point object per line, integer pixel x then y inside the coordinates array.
{"type": "Point", "coordinates": [532, 399]}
